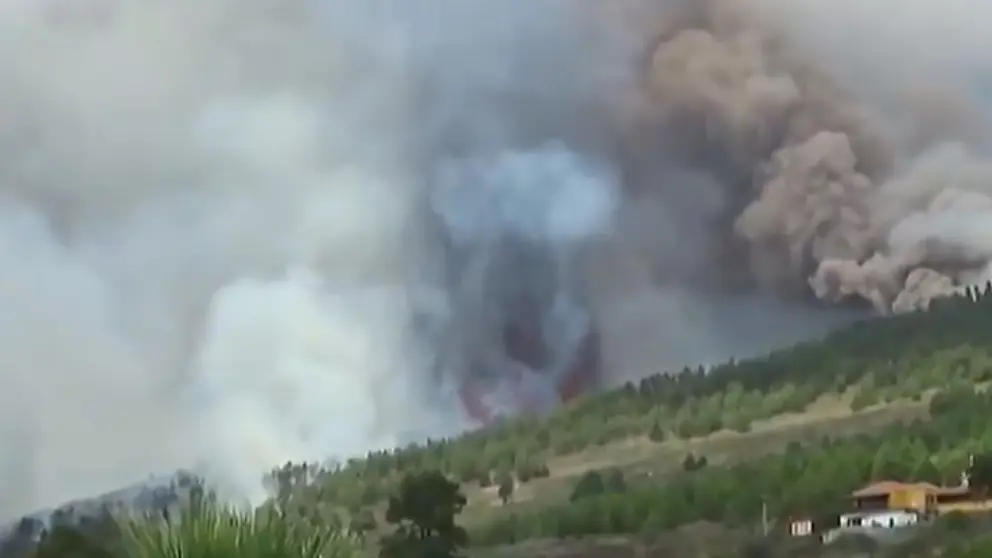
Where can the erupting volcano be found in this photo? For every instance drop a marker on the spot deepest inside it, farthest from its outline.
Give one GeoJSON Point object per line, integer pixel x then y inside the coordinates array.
{"type": "Point", "coordinates": [530, 364]}
{"type": "Point", "coordinates": [235, 233]}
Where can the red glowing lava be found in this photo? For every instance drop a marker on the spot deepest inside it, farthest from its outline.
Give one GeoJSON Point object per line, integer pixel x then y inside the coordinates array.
{"type": "Point", "coordinates": [580, 377]}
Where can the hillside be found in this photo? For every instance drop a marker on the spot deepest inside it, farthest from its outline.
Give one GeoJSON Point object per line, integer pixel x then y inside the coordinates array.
{"type": "Point", "coordinates": [798, 429]}
{"type": "Point", "coordinates": [877, 361]}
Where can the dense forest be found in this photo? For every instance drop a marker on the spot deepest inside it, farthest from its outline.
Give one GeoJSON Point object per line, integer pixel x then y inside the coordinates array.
{"type": "Point", "coordinates": [941, 355]}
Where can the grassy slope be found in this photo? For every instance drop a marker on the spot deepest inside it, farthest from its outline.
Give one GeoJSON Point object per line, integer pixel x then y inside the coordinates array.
{"type": "Point", "coordinates": [897, 355]}
{"type": "Point", "coordinates": [830, 415]}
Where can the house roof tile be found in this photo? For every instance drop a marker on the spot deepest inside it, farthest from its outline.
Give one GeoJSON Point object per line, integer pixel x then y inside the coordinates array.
{"type": "Point", "coordinates": [884, 488]}
{"type": "Point", "coordinates": [887, 487]}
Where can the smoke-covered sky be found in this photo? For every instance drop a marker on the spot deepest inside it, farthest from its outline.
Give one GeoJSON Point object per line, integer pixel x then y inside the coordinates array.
{"type": "Point", "coordinates": [239, 232]}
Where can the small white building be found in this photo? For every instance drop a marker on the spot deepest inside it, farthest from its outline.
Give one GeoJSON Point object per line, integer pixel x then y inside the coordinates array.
{"type": "Point", "coordinates": [801, 527]}
{"type": "Point", "coordinates": [879, 519]}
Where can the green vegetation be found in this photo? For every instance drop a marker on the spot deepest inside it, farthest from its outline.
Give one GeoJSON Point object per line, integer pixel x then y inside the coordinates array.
{"type": "Point", "coordinates": [422, 514]}
{"type": "Point", "coordinates": [935, 358]}
{"type": "Point", "coordinates": [971, 549]}
{"type": "Point", "coordinates": [208, 531]}
{"type": "Point", "coordinates": [814, 478]}
{"type": "Point", "coordinates": [879, 360]}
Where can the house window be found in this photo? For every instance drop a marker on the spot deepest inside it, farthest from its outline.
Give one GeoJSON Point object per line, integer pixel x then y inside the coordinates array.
{"type": "Point", "coordinates": [802, 528]}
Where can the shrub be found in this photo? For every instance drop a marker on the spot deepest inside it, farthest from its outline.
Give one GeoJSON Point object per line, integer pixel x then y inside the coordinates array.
{"type": "Point", "coordinates": [209, 531]}
{"type": "Point", "coordinates": [589, 485]}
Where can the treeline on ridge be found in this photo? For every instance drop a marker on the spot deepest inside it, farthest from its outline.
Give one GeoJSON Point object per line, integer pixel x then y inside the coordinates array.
{"type": "Point", "coordinates": [883, 359]}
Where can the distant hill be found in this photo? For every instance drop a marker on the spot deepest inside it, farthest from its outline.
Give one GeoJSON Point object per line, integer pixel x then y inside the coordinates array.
{"type": "Point", "coordinates": [145, 497]}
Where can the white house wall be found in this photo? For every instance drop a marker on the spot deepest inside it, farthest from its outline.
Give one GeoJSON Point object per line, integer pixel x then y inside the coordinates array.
{"type": "Point", "coordinates": [885, 519]}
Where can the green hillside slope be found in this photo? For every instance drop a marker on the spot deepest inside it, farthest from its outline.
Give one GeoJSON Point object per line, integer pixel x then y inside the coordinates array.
{"type": "Point", "coordinates": [876, 361]}
{"type": "Point", "coordinates": [900, 397]}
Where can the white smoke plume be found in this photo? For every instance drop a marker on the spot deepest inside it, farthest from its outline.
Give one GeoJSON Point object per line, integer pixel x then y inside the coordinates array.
{"type": "Point", "coordinates": [218, 244]}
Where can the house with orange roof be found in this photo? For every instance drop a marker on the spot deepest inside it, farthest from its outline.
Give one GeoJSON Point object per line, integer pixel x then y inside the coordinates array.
{"type": "Point", "coordinates": [890, 504]}
{"type": "Point", "coordinates": [893, 504]}
{"type": "Point", "coordinates": [893, 495]}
